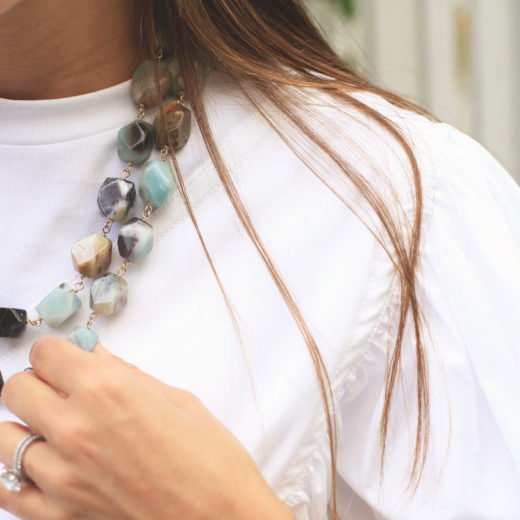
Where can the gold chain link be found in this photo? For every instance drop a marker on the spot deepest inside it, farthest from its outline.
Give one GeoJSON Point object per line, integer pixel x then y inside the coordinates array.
{"type": "Point", "coordinates": [126, 171]}
{"type": "Point", "coordinates": [35, 323]}
{"type": "Point", "coordinates": [92, 318]}
{"type": "Point", "coordinates": [80, 285]}
{"type": "Point", "coordinates": [123, 268]}
{"type": "Point", "coordinates": [147, 211]}
{"type": "Point", "coordinates": [107, 226]}
{"type": "Point", "coordinates": [164, 153]}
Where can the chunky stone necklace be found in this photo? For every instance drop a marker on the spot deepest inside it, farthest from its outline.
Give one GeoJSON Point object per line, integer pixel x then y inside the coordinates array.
{"type": "Point", "coordinates": [92, 255]}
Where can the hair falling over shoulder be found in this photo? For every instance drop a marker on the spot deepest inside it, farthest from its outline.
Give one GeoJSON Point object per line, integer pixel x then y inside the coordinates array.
{"type": "Point", "coordinates": [275, 48]}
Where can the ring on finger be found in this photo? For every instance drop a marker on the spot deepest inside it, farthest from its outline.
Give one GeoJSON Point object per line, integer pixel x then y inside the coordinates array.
{"type": "Point", "coordinates": [12, 477]}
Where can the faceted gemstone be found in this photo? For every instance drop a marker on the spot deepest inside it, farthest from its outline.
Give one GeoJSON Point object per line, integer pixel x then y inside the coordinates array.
{"type": "Point", "coordinates": [177, 80]}
{"type": "Point", "coordinates": [144, 89]}
{"type": "Point", "coordinates": [108, 294]}
{"type": "Point", "coordinates": [92, 255]}
{"type": "Point", "coordinates": [176, 123]}
{"type": "Point", "coordinates": [59, 305]}
{"type": "Point", "coordinates": [135, 142]}
{"type": "Point", "coordinates": [12, 322]}
{"type": "Point", "coordinates": [116, 197]}
{"type": "Point", "coordinates": [10, 479]}
{"type": "Point", "coordinates": [83, 337]}
{"type": "Point", "coordinates": [156, 184]}
{"type": "Point", "coordinates": [135, 239]}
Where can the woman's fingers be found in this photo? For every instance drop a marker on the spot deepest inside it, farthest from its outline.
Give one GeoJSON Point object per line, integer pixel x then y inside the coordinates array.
{"type": "Point", "coordinates": [60, 363]}
{"type": "Point", "coordinates": [101, 352]}
{"type": "Point", "coordinates": [35, 403]}
{"type": "Point", "coordinates": [29, 504]}
{"type": "Point", "coordinates": [178, 396]}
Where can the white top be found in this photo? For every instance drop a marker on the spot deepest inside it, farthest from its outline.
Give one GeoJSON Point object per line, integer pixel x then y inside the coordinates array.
{"type": "Point", "coordinates": [54, 154]}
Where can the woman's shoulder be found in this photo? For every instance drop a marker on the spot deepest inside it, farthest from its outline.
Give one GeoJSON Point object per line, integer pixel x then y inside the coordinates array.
{"type": "Point", "coordinates": [318, 227]}
{"type": "Point", "coordinates": [309, 216]}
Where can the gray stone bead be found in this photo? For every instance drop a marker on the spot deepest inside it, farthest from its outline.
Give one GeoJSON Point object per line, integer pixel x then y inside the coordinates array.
{"type": "Point", "coordinates": [177, 83]}
{"type": "Point", "coordinates": [116, 197]}
{"type": "Point", "coordinates": [135, 142]}
{"type": "Point", "coordinates": [135, 240]}
{"type": "Point", "coordinates": [176, 124]}
{"type": "Point", "coordinates": [108, 294]}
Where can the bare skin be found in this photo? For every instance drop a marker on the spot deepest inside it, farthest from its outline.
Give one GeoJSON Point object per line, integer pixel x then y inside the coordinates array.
{"type": "Point", "coordinates": [58, 48]}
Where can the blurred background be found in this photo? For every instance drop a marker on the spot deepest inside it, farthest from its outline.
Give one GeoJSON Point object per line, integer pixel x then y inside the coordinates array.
{"type": "Point", "coordinates": [458, 58]}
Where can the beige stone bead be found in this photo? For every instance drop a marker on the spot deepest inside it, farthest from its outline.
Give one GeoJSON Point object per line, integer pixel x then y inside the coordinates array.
{"type": "Point", "coordinates": [92, 255]}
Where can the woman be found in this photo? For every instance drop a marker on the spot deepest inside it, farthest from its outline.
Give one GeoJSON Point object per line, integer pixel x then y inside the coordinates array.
{"type": "Point", "coordinates": [326, 326]}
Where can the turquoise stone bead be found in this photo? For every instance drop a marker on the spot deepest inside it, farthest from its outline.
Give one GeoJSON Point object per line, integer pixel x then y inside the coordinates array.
{"type": "Point", "coordinates": [156, 184]}
{"type": "Point", "coordinates": [135, 240]}
{"type": "Point", "coordinates": [135, 142]}
{"type": "Point", "coordinates": [144, 89]}
{"type": "Point", "coordinates": [59, 305]}
{"type": "Point", "coordinates": [83, 337]}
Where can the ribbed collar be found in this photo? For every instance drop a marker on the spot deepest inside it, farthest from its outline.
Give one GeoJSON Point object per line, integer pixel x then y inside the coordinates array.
{"type": "Point", "coordinates": [45, 121]}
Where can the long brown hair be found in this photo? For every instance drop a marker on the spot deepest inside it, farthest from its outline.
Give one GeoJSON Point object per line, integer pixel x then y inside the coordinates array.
{"type": "Point", "coordinates": [270, 47]}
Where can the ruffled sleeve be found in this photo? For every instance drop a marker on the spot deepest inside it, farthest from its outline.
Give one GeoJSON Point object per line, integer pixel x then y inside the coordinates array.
{"type": "Point", "coordinates": [469, 287]}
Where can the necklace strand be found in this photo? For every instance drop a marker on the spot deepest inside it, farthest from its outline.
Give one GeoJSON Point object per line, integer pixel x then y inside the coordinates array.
{"type": "Point", "coordinates": [92, 255]}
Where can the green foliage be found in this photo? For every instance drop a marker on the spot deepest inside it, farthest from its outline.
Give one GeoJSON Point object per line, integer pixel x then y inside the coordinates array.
{"type": "Point", "coordinates": [348, 7]}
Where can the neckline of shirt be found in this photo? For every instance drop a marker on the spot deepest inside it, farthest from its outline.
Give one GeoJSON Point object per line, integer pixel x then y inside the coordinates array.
{"type": "Point", "coordinates": [48, 121]}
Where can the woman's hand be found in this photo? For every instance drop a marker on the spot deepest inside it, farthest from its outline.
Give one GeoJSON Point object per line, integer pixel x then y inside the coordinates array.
{"type": "Point", "coordinates": [122, 445]}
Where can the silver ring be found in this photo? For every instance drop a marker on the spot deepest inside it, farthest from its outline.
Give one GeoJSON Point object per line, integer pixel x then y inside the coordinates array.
{"type": "Point", "coordinates": [12, 477]}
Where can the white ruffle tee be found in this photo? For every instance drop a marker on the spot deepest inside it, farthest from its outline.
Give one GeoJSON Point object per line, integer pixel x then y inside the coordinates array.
{"type": "Point", "coordinates": [54, 155]}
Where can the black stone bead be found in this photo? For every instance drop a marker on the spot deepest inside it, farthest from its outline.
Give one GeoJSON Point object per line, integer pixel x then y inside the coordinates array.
{"type": "Point", "coordinates": [12, 322]}
{"type": "Point", "coordinates": [1, 382]}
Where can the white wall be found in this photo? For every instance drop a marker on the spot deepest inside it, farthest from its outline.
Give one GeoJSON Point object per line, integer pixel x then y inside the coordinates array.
{"type": "Point", "coordinates": [459, 58]}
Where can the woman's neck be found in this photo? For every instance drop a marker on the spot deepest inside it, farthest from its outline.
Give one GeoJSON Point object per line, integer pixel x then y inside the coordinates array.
{"type": "Point", "coordinates": [59, 48]}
